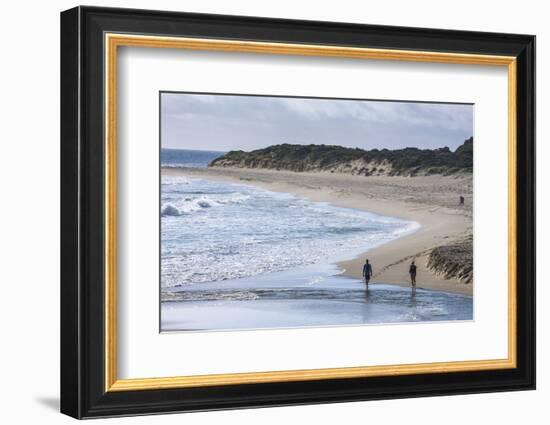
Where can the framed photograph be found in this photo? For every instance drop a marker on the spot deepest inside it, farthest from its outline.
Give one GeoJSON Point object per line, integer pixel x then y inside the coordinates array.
{"type": "Point", "coordinates": [261, 212]}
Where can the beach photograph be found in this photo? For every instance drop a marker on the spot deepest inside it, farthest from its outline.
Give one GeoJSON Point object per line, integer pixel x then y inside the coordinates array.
{"type": "Point", "coordinates": [295, 212]}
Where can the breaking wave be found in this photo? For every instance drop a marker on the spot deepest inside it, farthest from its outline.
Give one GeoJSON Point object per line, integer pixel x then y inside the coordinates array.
{"type": "Point", "coordinates": [216, 231]}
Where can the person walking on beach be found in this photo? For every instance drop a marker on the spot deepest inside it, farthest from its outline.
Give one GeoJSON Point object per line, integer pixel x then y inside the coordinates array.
{"type": "Point", "coordinates": [367, 272]}
{"type": "Point", "coordinates": [412, 272]}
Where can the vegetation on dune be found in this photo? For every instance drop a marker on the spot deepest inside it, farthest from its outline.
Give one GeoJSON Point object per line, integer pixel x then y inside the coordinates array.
{"type": "Point", "coordinates": [404, 162]}
{"type": "Point", "coordinates": [453, 261]}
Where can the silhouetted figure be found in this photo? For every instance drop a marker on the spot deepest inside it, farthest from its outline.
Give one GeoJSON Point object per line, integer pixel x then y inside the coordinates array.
{"type": "Point", "coordinates": [367, 272]}
{"type": "Point", "coordinates": [412, 272]}
{"type": "Point", "coordinates": [461, 198]}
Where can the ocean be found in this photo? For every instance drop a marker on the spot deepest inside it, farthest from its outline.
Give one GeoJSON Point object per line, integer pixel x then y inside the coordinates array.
{"type": "Point", "coordinates": [187, 158]}
{"type": "Point", "coordinates": [227, 246]}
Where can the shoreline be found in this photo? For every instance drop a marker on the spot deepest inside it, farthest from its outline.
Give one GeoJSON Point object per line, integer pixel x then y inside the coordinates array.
{"type": "Point", "coordinates": [427, 200]}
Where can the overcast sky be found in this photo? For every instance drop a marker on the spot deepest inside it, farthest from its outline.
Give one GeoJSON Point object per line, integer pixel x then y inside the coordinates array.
{"type": "Point", "coordinates": [229, 122]}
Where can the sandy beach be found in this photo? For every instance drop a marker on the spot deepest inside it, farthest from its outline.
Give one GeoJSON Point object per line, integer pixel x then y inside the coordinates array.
{"type": "Point", "coordinates": [431, 201]}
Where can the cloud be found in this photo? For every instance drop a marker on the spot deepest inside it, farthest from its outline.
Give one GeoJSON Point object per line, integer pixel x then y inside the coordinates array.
{"type": "Point", "coordinates": [250, 122]}
{"type": "Point", "coordinates": [397, 113]}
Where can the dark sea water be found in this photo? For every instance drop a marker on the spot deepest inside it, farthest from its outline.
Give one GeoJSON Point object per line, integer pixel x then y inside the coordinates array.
{"type": "Point", "coordinates": [187, 158]}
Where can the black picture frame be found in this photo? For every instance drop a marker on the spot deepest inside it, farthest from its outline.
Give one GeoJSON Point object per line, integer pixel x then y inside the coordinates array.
{"type": "Point", "coordinates": [83, 392]}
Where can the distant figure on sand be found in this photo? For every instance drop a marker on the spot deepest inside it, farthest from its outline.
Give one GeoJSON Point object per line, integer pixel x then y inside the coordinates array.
{"type": "Point", "coordinates": [412, 272]}
{"type": "Point", "coordinates": [367, 271]}
{"type": "Point", "coordinates": [461, 200]}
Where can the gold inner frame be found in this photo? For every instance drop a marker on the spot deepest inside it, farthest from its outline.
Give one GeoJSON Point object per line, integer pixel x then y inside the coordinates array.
{"type": "Point", "coordinates": [113, 41]}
